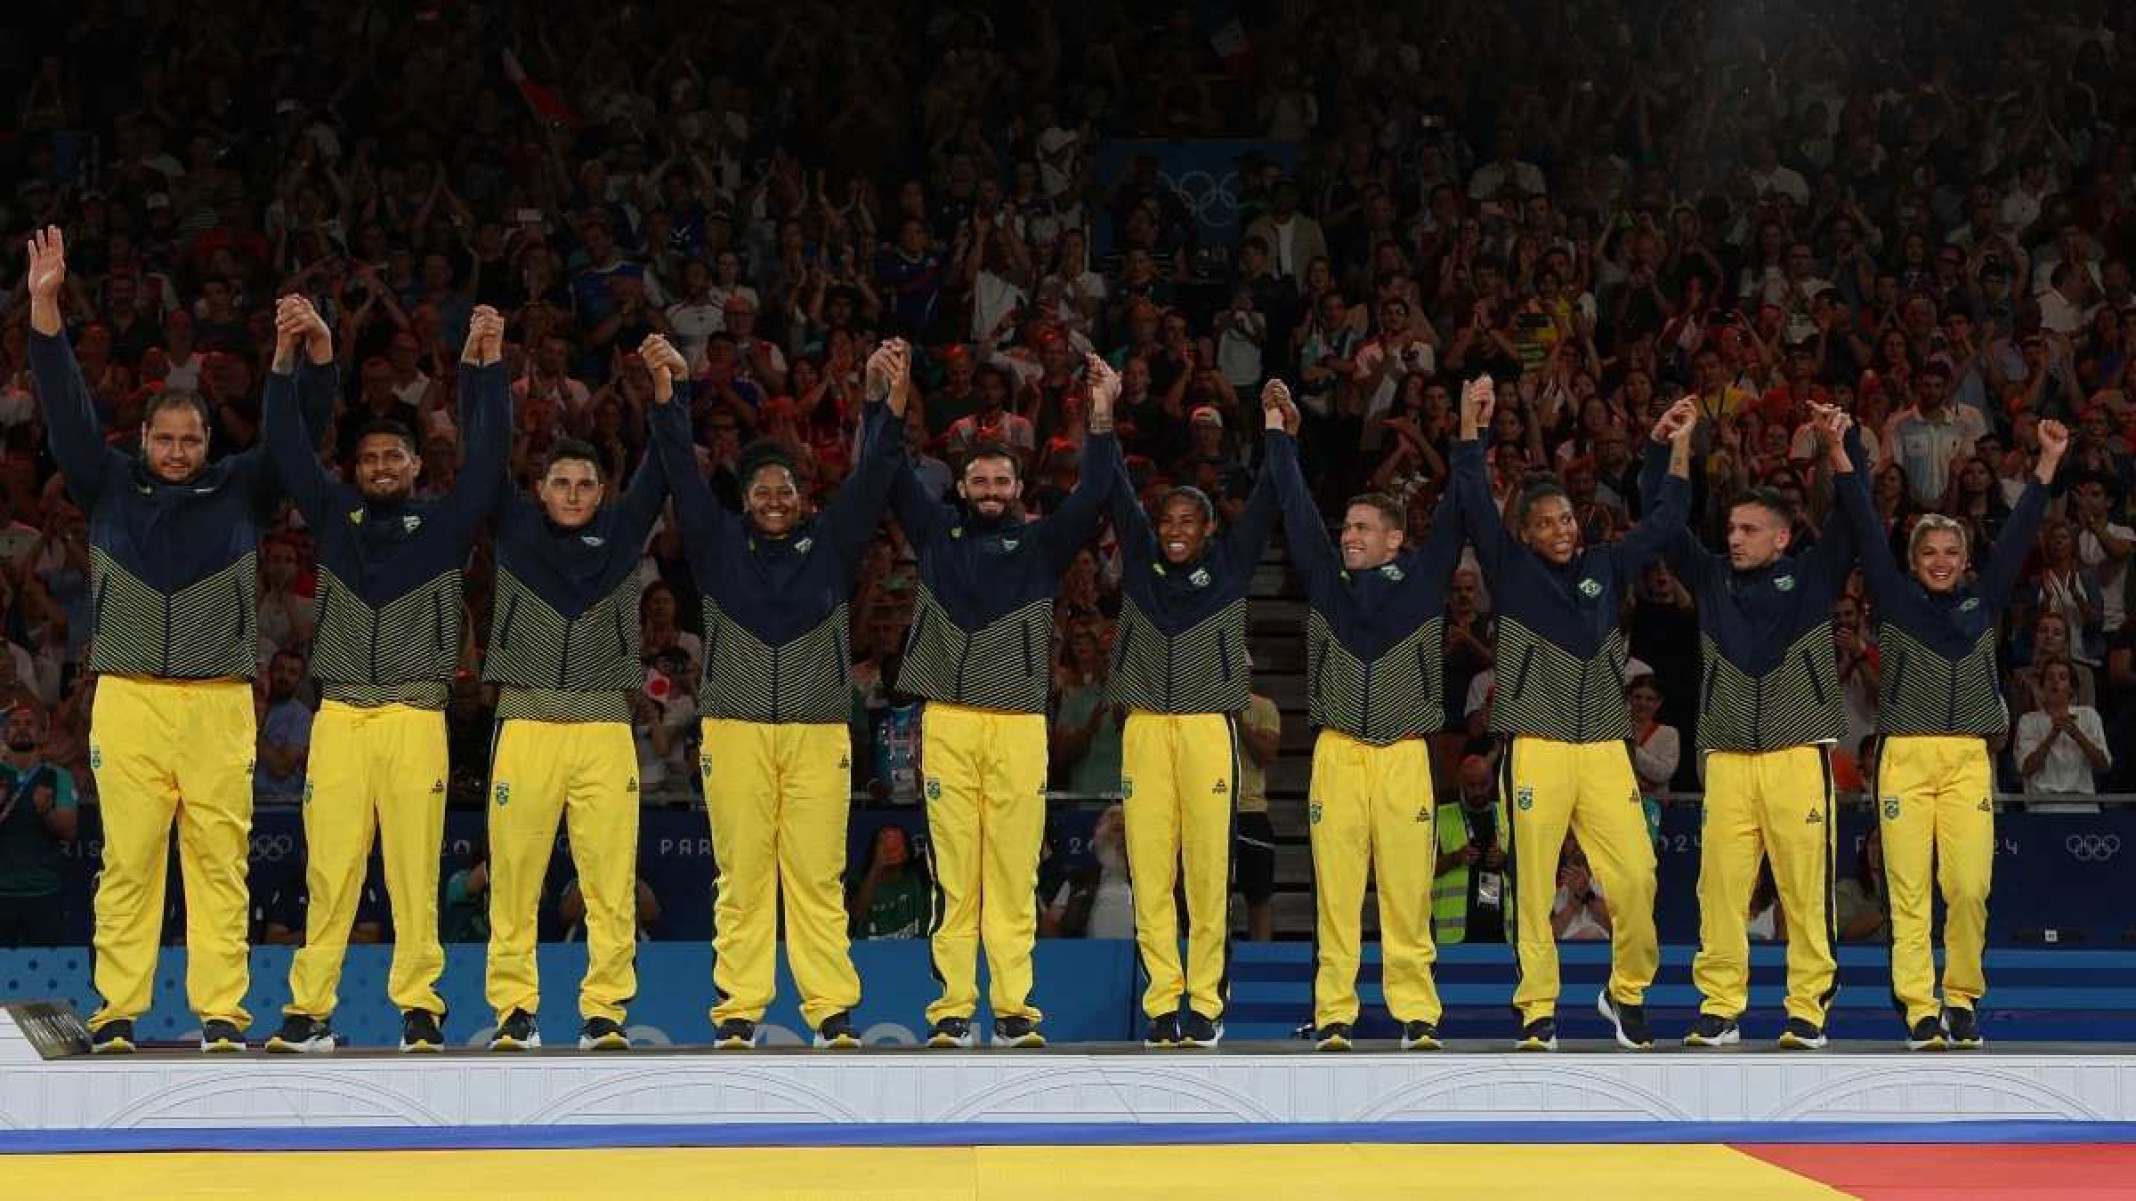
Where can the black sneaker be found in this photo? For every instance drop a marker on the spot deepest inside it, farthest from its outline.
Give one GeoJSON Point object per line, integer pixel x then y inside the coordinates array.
{"type": "Point", "coordinates": [420, 1033]}
{"type": "Point", "coordinates": [1018, 1032]}
{"type": "Point", "coordinates": [603, 1034]}
{"type": "Point", "coordinates": [1335, 1036]}
{"type": "Point", "coordinates": [115, 1037]}
{"type": "Point", "coordinates": [1630, 1022]}
{"type": "Point", "coordinates": [1713, 1030]}
{"type": "Point", "coordinates": [951, 1034]}
{"type": "Point", "coordinates": [1198, 1031]}
{"type": "Point", "coordinates": [1420, 1036]}
{"type": "Point", "coordinates": [735, 1034]}
{"type": "Point", "coordinates": [1163, 1031]}
{"type": "Point", "coordinates": [1964, 1026]}
{"type": "Point", "coordinates": [302, 1034]}
{"type": "Point", "coordinates": [516, 1032]}
{"type": "Point", "coordinates": [1800, 1035]}
{"type": "Point", "coordinates": [1538, 1035]}
{"type": "Point", "coordinates": [836, 1033]}
{"type": "Point", "coordinates": [1927, 1035]}
{"type": "Point", "coordinates": [220, 1037]}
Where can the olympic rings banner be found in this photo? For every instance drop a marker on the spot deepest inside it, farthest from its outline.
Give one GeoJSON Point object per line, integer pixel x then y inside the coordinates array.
{"type": "Point", "coordinates": [1208, 175]}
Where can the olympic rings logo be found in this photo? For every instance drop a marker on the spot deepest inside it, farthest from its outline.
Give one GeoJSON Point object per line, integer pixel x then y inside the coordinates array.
{"type": "Point", "coordinates": [273, 847]}
{"type": "Point", "coordinates": [2093, 848]}
{"type": "Point", "coordinates": [1211, 199]}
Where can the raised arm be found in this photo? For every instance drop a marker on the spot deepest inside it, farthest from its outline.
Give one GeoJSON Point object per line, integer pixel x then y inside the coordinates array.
{"type": "Point", "coordinates": [1842, 441]}
{"type": "Point", "coordinates": [1131, 524]}
{"type": "Point", "coordinates": [485, 417]}
{"type": "Point", "coordinates": [1312, 552]}
{"type": "Point", "coordinates": [292, 448]}
{"type": "Point", "coordinates": [1998, 575]}
{"type": "Point", "coordinates": [1066, 530]}
{"type": "Point", "coordinates": [643, 499]}
{"type": "Point", "coordinates": [1685, 554]}
{"type": "Point", "coordinates": [1480, 517]}
{"type": "Point", "coordinates": [1665, 519]}
{"type": "Point", "coordinates": [851, 517]}
{"type": "Point", "coordinates": [71, 423]}
{"type": "Point", "coordinates": [1249, 535]}
{"type": "Point", "coordinates": [702, 516]}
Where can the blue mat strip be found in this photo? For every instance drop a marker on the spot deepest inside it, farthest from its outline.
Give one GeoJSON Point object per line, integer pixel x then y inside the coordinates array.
{"type": "Point", "coordinates": [988, 1134]}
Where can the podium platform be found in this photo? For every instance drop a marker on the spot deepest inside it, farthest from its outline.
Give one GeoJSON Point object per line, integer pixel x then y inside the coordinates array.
{"type": "Point", "coordinates": [55, 1096]}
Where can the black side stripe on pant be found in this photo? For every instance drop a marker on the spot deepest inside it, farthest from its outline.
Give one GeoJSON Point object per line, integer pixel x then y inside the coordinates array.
{"type": "Point", "coordinates": [1876, 809]}
{"type": "Point", "coordinates": [1312, 992]}
{"type": "Point", "coordinates": [1231, 861]}
{"type": "Point", "coordinates": [1143, 974]}
{"type": "Point", "coordinates": [1509, 897]}
{"type": "Point", "coordinates": [938, 909]}
{"type": "Point", "coordinates": [1830, 898]}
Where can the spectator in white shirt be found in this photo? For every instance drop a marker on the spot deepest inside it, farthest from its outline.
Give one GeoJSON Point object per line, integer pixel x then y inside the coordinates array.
{"type": "Point", "coordinates": [1768, 174]}
{"type": "Point", "coordinates": [2103, 547]}
{"type": "Point", "coordinates": [1506, 173]}
{"type": "Point", "coordinates": [1578, 913]}
{"type": "Point", "coordinates": [2061, 745]}
{"type": "Point", "coordinates": [2021, 204]}
{"type": "Point", "coordinates": [2064, 306]}
{"type": "Point", "coordinates": [698, 315]}
{"type": "Point", "coordinates": [1656, 746]}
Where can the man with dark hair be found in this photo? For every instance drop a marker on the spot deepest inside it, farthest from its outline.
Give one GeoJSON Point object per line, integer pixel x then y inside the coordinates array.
{"type": "Point", "coordinates": [564, 654]}
{"type": "Point", "coordinates": [1375, 637]}
{"type": "Point", "coordinates": [1770, 709]}
{"type": "Point", "coordinates": [1926, 438]}
{"type": "Point", "coordinates": [173, 539]}
{"type": "Point", "coordinates": [37, 818]}
{"type": "Point", "coordinates": [994, 424]}
{"type": "Point", "coordinates": [1560, 701]}
{"type": "Point", "coordinates": [384, 652]}
{"type": "Point", "coordinates": [979, 654]}
{"type": "Point", "coordinates": [1180, 669]}
{"type": "Point", "coordinates": [775, 696]}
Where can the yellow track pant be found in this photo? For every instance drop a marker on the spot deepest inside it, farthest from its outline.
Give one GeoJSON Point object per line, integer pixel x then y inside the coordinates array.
{"type": "Point", "coordinates": [1371, 813]}
{"type": "Point", "coordinates": [373, 771]}
{"type": "Point", "coordinates": [1547, 788]}
{"type": "Point", "coordinates": [986, 821]}
{"type": "Point", "coordinates": [1179, 774]}
{"type": "Point", "coordinates": [777, 796]}
{"type": "Point", "coordinates": [586, 773]}
{"type": "Point", "coordinates": [1937, 813]}
{"type": "Point", "coordinates": [164, 750]}
{"type": "Point", "coordinates": [1773, 805]}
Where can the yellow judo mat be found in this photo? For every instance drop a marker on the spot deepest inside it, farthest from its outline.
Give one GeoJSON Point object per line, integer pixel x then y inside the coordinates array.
{"type": "Point", "coordinates": [1189, 1173]}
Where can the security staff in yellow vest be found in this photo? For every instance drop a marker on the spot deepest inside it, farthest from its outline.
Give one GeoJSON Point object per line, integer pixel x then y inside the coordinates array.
{"type": "Point", "coordinates": [172, 546]}
{"type": "Point", "coordinates": [1560, 703]}
{"type": "Point", "coordinates": [1468, 898]}
{"type": "Point", "coordinates": [1938, 702]}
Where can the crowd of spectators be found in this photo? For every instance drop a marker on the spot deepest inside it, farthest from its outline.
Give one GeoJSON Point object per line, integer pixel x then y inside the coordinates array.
{"type": "Point", "coordinates": [1923, 214]}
